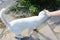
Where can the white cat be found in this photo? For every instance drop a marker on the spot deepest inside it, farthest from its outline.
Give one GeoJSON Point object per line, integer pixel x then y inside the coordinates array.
{"type": "Point", "coordinates": [18, 25]}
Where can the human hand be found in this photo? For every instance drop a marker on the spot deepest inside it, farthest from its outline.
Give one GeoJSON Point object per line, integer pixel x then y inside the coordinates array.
{"type": "Point", "coordinates": [47, 12]}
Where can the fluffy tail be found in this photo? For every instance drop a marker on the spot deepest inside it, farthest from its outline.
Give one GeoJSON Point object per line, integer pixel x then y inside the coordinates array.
{"type": "Point", "coordinates": [4, 10]}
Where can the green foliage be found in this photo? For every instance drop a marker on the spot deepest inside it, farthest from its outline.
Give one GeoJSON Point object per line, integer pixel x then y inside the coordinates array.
{"type": "Point", "coordinates": [58, 1]}
{"type": "Point", "coordinates": [23, 2]}
{"type": "Point", "coordinates": [32, 9]}
{"type": "Point", "coordinates": [14, 8]}
{"type": "Point", "coordinates": [34, 6]}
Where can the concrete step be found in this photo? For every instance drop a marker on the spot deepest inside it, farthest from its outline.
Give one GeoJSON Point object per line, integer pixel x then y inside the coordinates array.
{"type": "Point", "coordinates": [47, 34]}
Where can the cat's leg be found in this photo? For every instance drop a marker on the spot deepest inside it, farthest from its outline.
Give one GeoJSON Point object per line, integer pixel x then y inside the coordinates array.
{"type": "Point", "coordinates": [18, 36]}
{"type": "Point", "coordinates": [29, 32]}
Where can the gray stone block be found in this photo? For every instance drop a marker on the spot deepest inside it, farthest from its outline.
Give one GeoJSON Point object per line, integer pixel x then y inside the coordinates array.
{"type": "Point", "coordinates": [46, 34]}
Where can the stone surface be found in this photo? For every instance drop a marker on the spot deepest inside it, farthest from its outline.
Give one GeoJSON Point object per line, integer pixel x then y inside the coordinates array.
{"type": "Point", "coordinates": [57, 29]}
{"type": "Point", "coordinates": [47, 34]}
{"type": "Point", "coordinates": [58, 36]}
{"type": "Point", "coordinates": [54, 24]}
{"type": "Point", "coordinates": [8, 36]}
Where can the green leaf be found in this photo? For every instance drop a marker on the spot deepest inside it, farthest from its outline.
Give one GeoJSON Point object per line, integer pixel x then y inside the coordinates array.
{"type": "Point", "coordinates": [32, 9]}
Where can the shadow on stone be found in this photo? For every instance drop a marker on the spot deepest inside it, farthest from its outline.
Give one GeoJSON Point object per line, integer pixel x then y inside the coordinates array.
{"type": "Point", "coordinates": [28, 38]}
{"type": "Point", "coordinates": [44, 36]}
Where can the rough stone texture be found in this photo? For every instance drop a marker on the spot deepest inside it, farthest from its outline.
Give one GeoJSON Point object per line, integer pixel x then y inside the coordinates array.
{"type": "Point", "coordinates": [47, 34]}
{"type": "Point", "coordinates": [8, 36]}
{"type": "Point", "coordinates": [2, 25]}
{"type": "Point", "coordinates": [54, 24]}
